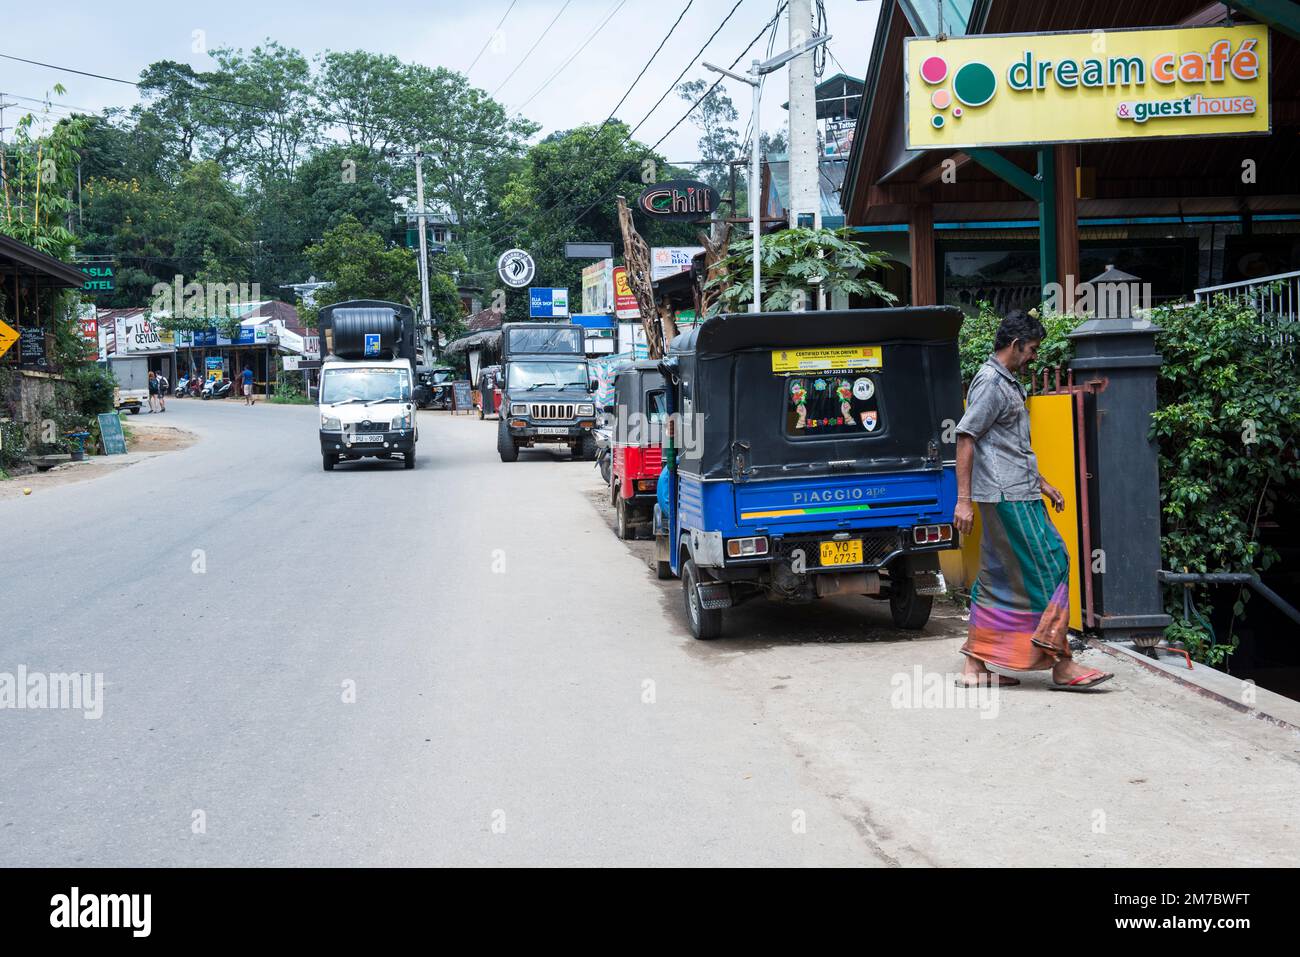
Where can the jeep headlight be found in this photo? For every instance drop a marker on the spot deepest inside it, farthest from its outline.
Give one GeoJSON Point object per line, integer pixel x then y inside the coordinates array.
{"type": "Point", "coordinates": [330, 424]}
{"type": "Point", "coordinates": [402, 422]}
{"type": "Point", "coordinates": [586, 409]}
{"type": "Point", "coordinates": [518, 408]}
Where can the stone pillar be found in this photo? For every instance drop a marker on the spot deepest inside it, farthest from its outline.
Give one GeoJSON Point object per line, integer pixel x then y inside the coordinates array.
{"type": "Point", "coordinates": [1124, 492]}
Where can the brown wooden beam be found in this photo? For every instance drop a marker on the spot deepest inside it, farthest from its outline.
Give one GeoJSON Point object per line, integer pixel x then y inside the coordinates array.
{"type": "Point", "coordinates": [920, 243]}
{"type": "Point", "coordinates": [1067, 215]}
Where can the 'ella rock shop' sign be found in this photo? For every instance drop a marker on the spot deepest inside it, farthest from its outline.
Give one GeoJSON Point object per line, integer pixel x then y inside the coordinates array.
{"type": "Point", "coordinates": [1036, 88]}
{"type": "Point", "coordinates": [683, 199]}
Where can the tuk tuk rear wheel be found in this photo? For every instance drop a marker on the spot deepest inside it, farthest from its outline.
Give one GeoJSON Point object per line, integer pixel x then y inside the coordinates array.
{"type": "Point", "coordinates": [705, 624]}
{"type": "Point", "coordinates": [624, 526]}
{"type": "Point", "coordinates": [910, 610]}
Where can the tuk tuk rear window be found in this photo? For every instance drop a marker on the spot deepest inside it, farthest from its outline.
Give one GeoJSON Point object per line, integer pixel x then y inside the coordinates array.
{"type": "Point", "coordinates": [832, 404]}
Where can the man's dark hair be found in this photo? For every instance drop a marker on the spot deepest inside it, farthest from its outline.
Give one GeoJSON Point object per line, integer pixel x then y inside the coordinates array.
{"type": "Point", "coordinates": [1018, 324]}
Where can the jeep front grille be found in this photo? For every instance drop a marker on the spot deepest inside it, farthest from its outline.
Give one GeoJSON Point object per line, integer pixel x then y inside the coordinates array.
{"type": "Point", "coordinates": [552, 410]}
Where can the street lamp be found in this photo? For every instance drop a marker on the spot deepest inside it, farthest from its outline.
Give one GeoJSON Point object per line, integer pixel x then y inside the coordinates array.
{"type": "Point", "coordinates": [757, 71]}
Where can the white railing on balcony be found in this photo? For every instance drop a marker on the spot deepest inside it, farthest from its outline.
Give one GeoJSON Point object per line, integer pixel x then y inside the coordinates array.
{"type": "Point", "coordinates": [1277, 298]}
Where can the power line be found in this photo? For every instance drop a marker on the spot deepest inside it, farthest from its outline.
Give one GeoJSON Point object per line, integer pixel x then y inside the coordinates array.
{"type": "Point", "coordinates": [673, 86]}
{"type": "Point", "coordinates": [628, 91]}
{"type": "Point", "coordinates": [617, 179]}
{"type": "Point", "coordinates": [532, 48]}
{"type": "Point", "coordinates": [491, 36]}
{"type": "Point", "coordinates": [574, 55]}
{"type": "Point", "coordinates": [494, 237]}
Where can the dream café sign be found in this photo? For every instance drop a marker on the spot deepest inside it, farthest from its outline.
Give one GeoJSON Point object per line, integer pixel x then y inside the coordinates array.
{"type": "Point", "coordinates": [1034, 88]}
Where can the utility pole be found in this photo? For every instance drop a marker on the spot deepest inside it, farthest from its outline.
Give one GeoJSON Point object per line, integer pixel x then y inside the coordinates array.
{"type": "Point", "coordinates": [754, 78]}
{"type": "Point", "coordinates": [424, 258]}
{"type": "Point", "coordinates": [805, 196]}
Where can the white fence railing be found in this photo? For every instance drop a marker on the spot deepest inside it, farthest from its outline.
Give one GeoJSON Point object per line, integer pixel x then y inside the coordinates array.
{"type": "Point", "coordinates": [1277, 298]}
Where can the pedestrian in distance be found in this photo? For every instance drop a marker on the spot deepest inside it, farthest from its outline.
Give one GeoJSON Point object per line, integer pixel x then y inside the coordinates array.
{"type": "Point", "coordinates": [163, 388]}
{"type": "Point", "coordinates": [153, 391]}
{"type": "Point", "coordinates": [1020, 602]}
{"type": "Point", "coordinates": [248, 385]}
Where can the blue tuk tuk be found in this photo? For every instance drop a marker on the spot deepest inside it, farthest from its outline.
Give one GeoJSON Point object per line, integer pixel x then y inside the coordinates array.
{"type": "Point", "coordinates": [811, 454]}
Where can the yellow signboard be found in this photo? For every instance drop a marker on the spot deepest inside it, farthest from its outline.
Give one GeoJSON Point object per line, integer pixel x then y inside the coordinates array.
{"type": "Point", "coordinates": [8, 336]}
{"type": "Point", "coordinates": [1033, 88]}
{"type": "Point", "coordinates": [826, 360]}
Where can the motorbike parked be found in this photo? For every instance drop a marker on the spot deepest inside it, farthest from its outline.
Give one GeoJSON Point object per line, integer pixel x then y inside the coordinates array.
{"type": "Point", "coordinates": [182, 388]}
{"type": "Point", "coordinates": [217, 388]}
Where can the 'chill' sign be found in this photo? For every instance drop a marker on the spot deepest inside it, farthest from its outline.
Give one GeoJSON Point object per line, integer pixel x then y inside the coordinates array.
{"type": "Point", "coordinates": [1026, 89]}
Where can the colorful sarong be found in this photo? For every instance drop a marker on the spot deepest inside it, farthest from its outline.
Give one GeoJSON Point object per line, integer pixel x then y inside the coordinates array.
{"type": "Point", "coordinates": [1020, 603]}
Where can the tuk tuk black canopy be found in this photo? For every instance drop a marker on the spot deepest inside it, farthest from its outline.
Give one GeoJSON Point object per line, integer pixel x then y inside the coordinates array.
{"type": "Point", "coordinates": [753, 412]}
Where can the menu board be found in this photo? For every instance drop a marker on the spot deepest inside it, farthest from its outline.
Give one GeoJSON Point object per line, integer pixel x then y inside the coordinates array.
{"type": "Point", "coordinates": [31, 348]}
{"type": "Point", "coordinates": [110, 428]}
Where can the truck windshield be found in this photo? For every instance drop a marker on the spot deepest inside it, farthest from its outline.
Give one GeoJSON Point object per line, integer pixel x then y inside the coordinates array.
{"type": "Point", "coordinates": [536, 375]}
{"type": "Point", "coordinates": [365, 385]}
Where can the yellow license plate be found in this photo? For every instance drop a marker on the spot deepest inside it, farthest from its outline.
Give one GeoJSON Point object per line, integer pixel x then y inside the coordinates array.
{"type": "Point", "coordinates": [842, 553]}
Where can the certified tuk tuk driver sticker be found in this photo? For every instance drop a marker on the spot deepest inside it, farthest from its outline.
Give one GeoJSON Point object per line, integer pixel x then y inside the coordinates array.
{"type": "Point", "coordinates": [834, 359]}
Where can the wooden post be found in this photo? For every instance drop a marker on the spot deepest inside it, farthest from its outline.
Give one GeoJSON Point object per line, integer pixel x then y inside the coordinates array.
{"type": "Point", "coordinates": [1067, 215]}
{"type": "Point", "coordinates": [920, 242]}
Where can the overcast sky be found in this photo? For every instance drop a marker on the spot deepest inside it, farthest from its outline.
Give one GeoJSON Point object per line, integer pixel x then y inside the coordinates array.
{"type": "Point", "coordinates": [119, 39]}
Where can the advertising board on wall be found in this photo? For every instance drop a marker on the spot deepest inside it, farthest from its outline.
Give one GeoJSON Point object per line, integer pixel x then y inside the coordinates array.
{"type": "Point", "coordinates": [1036, 88]}
{"type": "Point", "coordinates": [598, 287]}
{"type": "Point", "coordinates": [625, 304]}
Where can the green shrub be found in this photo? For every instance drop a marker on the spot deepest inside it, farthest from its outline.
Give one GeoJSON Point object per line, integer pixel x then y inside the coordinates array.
{"type": "Point", "coordinates": [93, 386]}
{"type": "Point", "coordinates": [1227, 422]}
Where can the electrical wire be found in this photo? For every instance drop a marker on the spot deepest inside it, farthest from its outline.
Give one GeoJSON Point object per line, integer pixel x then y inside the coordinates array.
{"type": "Point", "coordinates": [491, 36]}
{"type": "Point", "coordinates": [619, 6]}
{"type": "Point", "coordinates": [532, 48]}
{"type": "Point", "coordinates": [496, 236]}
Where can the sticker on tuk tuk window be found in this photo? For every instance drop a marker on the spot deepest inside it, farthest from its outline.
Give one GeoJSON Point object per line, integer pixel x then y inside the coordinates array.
{"type": "Point", "coordinates": [827, 360]}
{"type": "Point", "coordinates": [841, 406]}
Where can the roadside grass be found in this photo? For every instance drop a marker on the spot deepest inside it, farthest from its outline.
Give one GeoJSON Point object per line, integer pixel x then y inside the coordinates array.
{"type": "Point", "coordinates": [289, 400]}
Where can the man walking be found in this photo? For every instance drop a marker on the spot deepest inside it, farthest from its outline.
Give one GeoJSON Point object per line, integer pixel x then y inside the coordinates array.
{"type": "Point", "coordinates": [248, 385]}
{"type": "Point", "coordinates": [1020, 602]}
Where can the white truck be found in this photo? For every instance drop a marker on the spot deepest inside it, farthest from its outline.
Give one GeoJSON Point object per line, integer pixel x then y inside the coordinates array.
{"type": "Point", "coordinates": [132, 374]}
{"type": "Point", "coordinates": [366, 398]}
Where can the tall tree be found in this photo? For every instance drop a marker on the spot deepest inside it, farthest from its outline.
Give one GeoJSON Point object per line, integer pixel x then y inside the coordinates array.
{"type": "Point", "coordinates": [715, 118]}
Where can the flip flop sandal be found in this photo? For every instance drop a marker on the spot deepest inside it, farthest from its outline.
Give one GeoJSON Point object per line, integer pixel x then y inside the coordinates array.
{"type": "Point", "coordinates": [1082, 683]}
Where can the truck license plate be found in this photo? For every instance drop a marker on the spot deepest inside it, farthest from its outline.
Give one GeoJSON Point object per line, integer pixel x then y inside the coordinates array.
{"type": "Point", "coordinates": [367, 438]}
{"type": "Point", "coordinates": [551, 430]}
{"type": "Point", "coordinates": [842, 553]}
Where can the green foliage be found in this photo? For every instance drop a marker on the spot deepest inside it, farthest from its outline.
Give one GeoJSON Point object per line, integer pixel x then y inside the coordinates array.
{"type": "Point", "coordinates": [572, 171]}
{"type": "Point", "coordinates": [92, 387]}
{"type": "Point", "coordinates": [1228, 421]}
{"type": "Point", "coordinates": [979, 331]}
{"type": "Point", "coordinates": [362, 267]}
{"type": "Point", "coordinates": [39, 174]}
{"type": "Point", "coordinates": [794, 262]}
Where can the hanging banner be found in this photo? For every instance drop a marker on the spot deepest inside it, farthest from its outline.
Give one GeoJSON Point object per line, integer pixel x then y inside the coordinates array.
{"type": "Point", "coordinates": [1036, 88]}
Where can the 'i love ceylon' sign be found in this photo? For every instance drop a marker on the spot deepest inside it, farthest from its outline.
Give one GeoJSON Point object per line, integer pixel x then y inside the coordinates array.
{"type": "Point", "coordinates": [1033, 88]}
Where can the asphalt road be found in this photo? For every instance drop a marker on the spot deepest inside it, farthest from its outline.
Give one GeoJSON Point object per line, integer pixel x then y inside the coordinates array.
{"type": "Point", "coordinates": [461, 664]}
